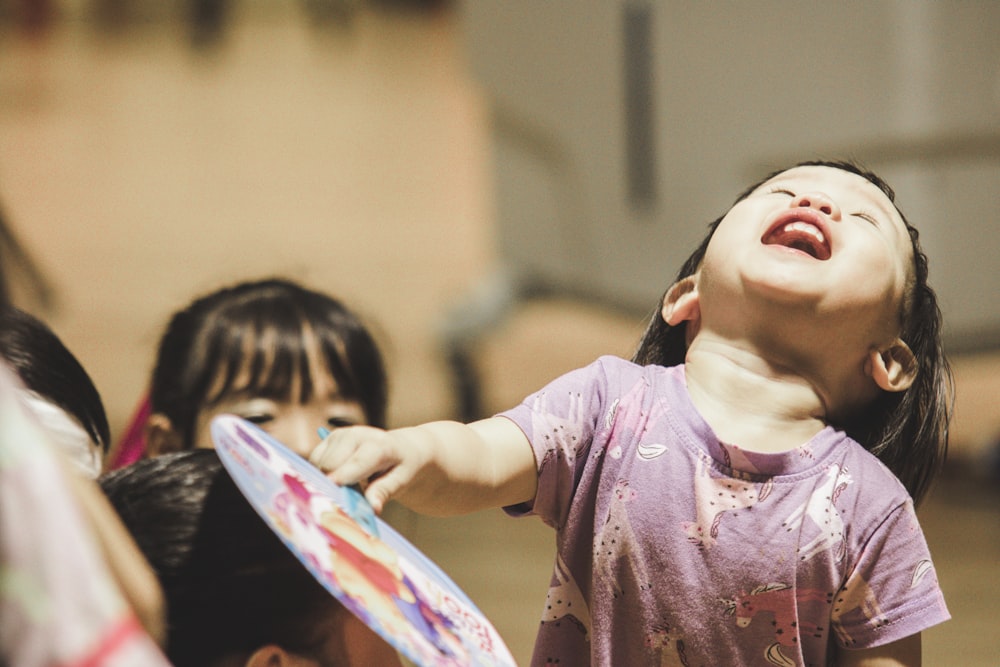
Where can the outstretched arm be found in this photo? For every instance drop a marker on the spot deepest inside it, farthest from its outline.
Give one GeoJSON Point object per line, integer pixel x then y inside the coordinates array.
{"type": "Point", "coordinates": [440, 468]}
{"type": "Point", "coordinates": [905, 652]}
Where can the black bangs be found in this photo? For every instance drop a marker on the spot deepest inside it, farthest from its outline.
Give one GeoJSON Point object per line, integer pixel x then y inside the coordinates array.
{"type": "Point", "coordinates": [352, 357]}
{"type": "Point", "coordinates": [264, 338]}
{"type": "Point", "coordinates": [266, 352]}
{"type": "Point", "coordinates": [262, 353]}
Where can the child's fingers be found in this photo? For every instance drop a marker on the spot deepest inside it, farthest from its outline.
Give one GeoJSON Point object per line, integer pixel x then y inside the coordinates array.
{"type": "Point", "coordinates": [369, 457]}
{"type": "Point", "coordinates": [327, 455]}
{"type": "Point", "coordinates": [354, 455]}
{"type": "Point", "coordinates": [385, 487]}
{"type": "Point", "coordinates": [338, 447]}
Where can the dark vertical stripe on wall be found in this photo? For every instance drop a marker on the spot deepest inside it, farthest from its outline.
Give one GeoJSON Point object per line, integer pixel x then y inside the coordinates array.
{"type": "Point", "coordinates": [640, 144]}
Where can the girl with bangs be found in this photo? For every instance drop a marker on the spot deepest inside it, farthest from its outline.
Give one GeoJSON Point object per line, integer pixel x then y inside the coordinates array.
{"type": "Point", "coordinates": [273, 352]}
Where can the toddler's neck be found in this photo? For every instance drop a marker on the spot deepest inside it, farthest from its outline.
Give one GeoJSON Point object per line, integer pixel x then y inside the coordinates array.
{"type": "Point", "coordinates": [750, 402]}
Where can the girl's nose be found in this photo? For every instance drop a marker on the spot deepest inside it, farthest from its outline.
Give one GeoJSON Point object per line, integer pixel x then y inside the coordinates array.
{"type": "Point", "coordinates": [299, 435]}
{"type": "Point", "coordinates": [819, 202]}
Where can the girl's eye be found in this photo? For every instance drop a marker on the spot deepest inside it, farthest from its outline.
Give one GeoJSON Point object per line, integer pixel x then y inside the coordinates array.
{"type": "Point", "coordinates": [340, 422]}
{"type": "Point", "coordinates": [258, 419]}
{"type": "Point", "coordinates": [782, 191]}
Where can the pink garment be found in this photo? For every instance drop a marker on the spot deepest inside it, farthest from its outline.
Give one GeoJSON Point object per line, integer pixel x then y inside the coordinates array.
{"type": "Point", "coordinates": [59, 604]}
{"type": "Point", "coordinates": [132, 446]}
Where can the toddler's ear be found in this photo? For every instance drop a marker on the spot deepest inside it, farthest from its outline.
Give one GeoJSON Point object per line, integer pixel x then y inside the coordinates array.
{"type": "Point", "coordinates": [681, 303]}
{"type": "Point", "coordinates": [161, 437]}
{"type": "Point", "coordinates": [894, 368]}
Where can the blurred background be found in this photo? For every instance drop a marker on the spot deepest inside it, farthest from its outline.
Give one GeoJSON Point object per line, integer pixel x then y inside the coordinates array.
{"type": "Point", "coordinates": [501, 188]}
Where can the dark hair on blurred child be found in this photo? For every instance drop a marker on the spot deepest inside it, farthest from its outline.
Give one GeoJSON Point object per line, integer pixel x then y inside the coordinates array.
{"type": "Point", "coordinates": [56, 387]}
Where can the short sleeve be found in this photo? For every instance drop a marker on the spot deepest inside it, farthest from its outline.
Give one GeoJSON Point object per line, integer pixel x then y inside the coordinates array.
{"type": "Point", "coordinates": [560, 421]}
{"type": "Point", "coordinates": [892, 591]}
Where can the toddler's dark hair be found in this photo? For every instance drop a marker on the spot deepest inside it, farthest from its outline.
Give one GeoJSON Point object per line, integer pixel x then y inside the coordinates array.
{"type": "Point", "coordinates": [907, 430]}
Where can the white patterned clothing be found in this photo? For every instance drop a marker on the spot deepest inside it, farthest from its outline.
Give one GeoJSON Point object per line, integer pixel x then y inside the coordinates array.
{"type": "Point", "coordinates": [677, 549]}
{"type": "Point", "coordinates": [59, 606]}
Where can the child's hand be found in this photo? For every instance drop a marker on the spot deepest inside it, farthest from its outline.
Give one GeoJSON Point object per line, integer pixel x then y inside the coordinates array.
{"type": "Point", "coordinates": [375, 459]}
{"type": "Point", "coordinates": [440, 468]}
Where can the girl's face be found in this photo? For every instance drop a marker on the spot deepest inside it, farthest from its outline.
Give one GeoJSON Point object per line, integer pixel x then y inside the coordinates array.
{"type": "Point", "coordinates": [816, 240]}
{"type": "Point", "coordinates": [293, 422]}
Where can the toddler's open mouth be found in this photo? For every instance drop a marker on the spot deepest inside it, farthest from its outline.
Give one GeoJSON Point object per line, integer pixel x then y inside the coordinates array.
{"type": "Point", "coordinates": [801, 230]}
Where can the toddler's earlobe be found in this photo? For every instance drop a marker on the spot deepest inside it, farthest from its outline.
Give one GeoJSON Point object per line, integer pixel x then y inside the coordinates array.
{"type": "Point", "coordinates": [892, 369]}
{"type": "Point", "coordinates": [681, 302]}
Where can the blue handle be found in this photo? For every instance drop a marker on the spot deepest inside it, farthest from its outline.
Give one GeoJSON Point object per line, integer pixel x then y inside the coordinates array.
{"type": "Point", "coordinates": [357, 506]}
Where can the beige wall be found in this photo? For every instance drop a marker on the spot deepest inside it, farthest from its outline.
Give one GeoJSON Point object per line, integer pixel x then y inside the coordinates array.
{"type": "Point", "coordinates": [140, 173]}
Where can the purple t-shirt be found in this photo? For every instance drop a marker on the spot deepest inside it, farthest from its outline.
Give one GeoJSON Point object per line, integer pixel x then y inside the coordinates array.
{"type": "Point", "coordinates": [677, 549]}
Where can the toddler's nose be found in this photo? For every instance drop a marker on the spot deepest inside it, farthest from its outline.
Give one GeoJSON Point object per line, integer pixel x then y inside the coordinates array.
{"type": "Point", "coordinates": [819, 202]}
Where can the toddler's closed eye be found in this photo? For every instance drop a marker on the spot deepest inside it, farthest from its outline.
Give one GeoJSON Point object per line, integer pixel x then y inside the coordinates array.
{"type": "Point", "coordinates": [866, 216]}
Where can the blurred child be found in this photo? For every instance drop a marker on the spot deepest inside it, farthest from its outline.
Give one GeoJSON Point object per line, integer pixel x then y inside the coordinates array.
{"type": "Point", "coordinates": [74, 588]}
{"type": "Point", "coordinates": [235, 595]}
{"type": "Point", "coordinates": [287, 358]}
{"type": "Point", "coordinates": [721, 500]}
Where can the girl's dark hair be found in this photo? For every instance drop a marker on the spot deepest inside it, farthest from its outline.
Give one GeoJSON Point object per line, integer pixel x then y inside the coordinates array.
{"type": "Point", "coordinates": [262, 326]}
{"type": "Point", "coordinates": [229, 583]}
{"type": "Point", "coordinates": [49, 369]}
{"type": "Point", "coordinates": [907, 430]}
